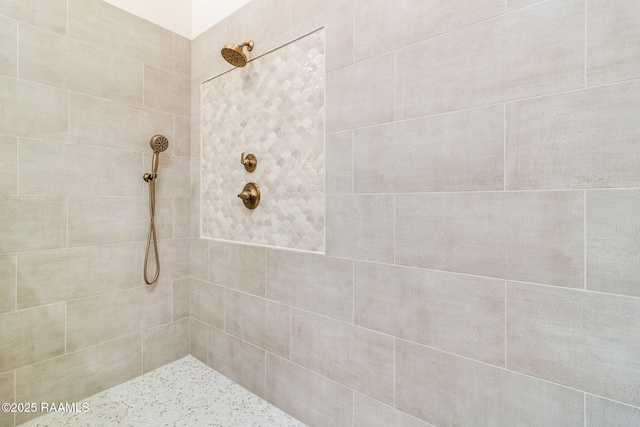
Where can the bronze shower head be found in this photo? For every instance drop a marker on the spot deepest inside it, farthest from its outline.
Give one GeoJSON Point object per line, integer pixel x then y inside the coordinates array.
{"type": "Point", "coordinates": [233, 54]}
{"type": "Point", "coordinates": [158, 143]}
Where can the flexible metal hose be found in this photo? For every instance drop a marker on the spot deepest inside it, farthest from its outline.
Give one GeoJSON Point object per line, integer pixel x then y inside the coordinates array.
{"type": "Point", "coordinates": [152, 234]}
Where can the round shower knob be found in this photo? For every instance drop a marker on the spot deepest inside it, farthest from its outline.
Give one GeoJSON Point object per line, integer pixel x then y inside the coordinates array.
{"type": "Point", "coordinates": [250, 162]}
{"type": "Point", "coordinates": [250, 196]}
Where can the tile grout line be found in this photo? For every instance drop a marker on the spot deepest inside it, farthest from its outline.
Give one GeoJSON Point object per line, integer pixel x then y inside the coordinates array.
{"type": "Point", "coordinates": [15, 276]}
{"type": "Point", "coordinates": [66, 315]}
{"type": "Point", "coordinates": [584, 408]}
{"type": "Point", "coordinates": [584, 226]}
{"type": "Point", "coordinates": [353, 407]}
{"type": "Point", "coordinates": [585, 44]}
{"type": "Point", "coordinates": [353, 291]}
{"type": "Point", "coordinates": [504, 147]}
{"type": "Point", "coordinates": [395, 225]}
{"type": "Point", "coordinates": [394, 373]}
{"type": "Point", "coordinates": [505, 325]}
{"type": "Point", "coordinates": [353, 163]}
{"type": "Point", "coordinates": [17, 50]}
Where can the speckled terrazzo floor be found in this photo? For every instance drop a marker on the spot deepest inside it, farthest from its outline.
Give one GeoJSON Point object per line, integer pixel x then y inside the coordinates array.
{"type": "Point", "coordinates": [183, 393]}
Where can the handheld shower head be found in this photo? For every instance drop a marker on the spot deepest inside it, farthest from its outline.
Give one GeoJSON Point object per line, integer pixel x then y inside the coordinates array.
{"type": "Point", "coordinates": [158, 143]}
{"type": "Point", "coordinates": [233, 54]}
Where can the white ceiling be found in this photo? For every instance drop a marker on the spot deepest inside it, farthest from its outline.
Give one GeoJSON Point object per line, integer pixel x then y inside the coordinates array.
{"type": "Point", "coordinates": [189, 18]}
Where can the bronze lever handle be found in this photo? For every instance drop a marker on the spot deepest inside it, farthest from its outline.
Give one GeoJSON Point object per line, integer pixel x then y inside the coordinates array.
{"type": "Point", "coordinates": [250, 195]}
{"type": "Point", "coordinates": [246, 195]}
{"type": "Point", "coordinates": [250, 162]}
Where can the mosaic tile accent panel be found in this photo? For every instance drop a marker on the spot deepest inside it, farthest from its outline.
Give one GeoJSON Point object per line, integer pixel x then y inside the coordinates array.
{"type": "Point", "coordinates": [273, 108]}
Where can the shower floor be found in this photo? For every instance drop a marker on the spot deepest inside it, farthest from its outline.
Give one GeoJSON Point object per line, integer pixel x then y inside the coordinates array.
{"type": "Point", "coordinates": [183, 393]}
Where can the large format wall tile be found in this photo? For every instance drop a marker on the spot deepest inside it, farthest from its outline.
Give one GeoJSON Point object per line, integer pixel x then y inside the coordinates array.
{"type": "Point", "coordinates": [174, 174]}
{"type": "Point", "coordinates": [239, 267]}
{"type": "Point", "coordinates": [356, 357]}
{"type": "Point", "coordinates": [534, 51]}
{"type": "Point", "coordinates": [613, 224]}
{"type": "Point", "coordinates": [181, 56]}
{"type": "Point", "coordinates": [46, 277]}
{"type": "Point", "coordinates": [237, 360]}
{"type": "Point", "coordinates": [181, 137]}
{"type": "Point", "coordinates": [30, 223]}
{"type": "Point", "coordinates": [206, 303]}
{"type": "Point", "coordinates": [613, 36]}
{"type": "Point", "coordinates": [263, 323]}
{"type": "Point", "coordinates": [583, 139]}
{"type": "Point", "coordinates": [8, 268]}
{"type": "Point", "coordinates": [602, 413]}
{"type": "Point", "coordinates": [75, 376]}
{"type": "Point", "coordinates": [29, 336]}
{"type": "Point", "coordinates": [8, 47]}
{"type": "Point", "coordinates": [588, 341]}
{"type": "Point", "coordinates": [181, 217]}
{"type": "Point", "coordinates": [450, 152]}
{"type": "Point", "coordinates": [49, 14]}
{"type": "Point", "coordinates": [95, 172]}
{"type": "Point", "coordinates": [174, 259]}
{"type": "Point", "coordinates": [97, 121]}
{"type": "Point", "coordinates": [195, 181]}
{"type": "Point", "coordinates": [198, 340]}
{"type": "Point", "coordinates": [106, 220]}
{"type": "Point", "coordinates": [101, 318]}
{"type": "Point", "coordinates": [382, 26]}
{"type": "Point", "coordinates": [165, 344]}
{"type": "Point", "coordinates": [527, 236]}
{"type": "Point", "coordinates": [457, 313]}
{"type": "Point", "coordinates": [199, 259]}
{"type": "Point", "coordinates": [7, 394]}
{"type": "Point", "coordinates": [128, 35]}
{"type": "Point", "coordinates": [8, 165]}
{"type": "Point", "coordinates": [448, 390]}
{"type": "Point", "coordinates": [166, 92]}
{"type": "Point", "coordinates": [37, 111]}
{"type": "Point", "coordinates": [181, 298]}
{"type": "Point", "coordinates": [302, 11]}
{"type": "Point", "coordinates": [339, 163]}
{"type": "Point", "coordinates": [207, 62]}
{"type": "Point", "coordinates": [311, 282]}
{"type": "Point", "coordinates": [350, 237]}
{"type": "Point", "coordinates": [519, 4]}
{"type": "Point", "coordinates": [307, 396]}
{"type": "Point", "coordinates": [371, 413]}
{"type": "Point", "coordinates": [360, 94]}
{"type": "Point", "coordinates": [62, 62]}
{"type": "Point", "coordinates": [260, 20]}
{"type": "Point", "coordinates": [338, 25]}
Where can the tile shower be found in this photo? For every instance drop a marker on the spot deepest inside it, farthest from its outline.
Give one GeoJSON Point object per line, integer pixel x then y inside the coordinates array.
{"type": "Point", "coordinates": [482, 190]}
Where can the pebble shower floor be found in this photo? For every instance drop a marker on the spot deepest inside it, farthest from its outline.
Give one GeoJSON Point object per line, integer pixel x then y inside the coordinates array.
{"type": "Point", "coordinates": [185, 393]}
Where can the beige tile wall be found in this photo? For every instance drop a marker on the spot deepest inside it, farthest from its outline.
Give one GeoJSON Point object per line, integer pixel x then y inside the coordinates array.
{"type": "Point", "coordinates": [471, 146]}
{"type": "Point", "coordinates": [468, 143]}
{"type": "Point", "coordinates": [74, 144]}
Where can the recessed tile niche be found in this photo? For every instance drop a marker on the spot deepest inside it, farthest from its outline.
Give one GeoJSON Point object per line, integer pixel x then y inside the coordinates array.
{"type": "Point", "coordinates": [274, 109]}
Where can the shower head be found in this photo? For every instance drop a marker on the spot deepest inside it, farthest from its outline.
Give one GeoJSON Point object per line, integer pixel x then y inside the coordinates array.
{"type": "Point", "coordinates": [158, 143]}
{"type": "Point", "coordinates": [233, 54]}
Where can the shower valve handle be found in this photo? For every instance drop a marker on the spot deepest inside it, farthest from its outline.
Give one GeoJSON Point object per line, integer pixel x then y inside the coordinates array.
{"type": "Point", "coordinates": [250, 162]}
{"type": "Point", "coordinates": [246, 195]}
{"type": "Point", "coordinates": [250, 195]}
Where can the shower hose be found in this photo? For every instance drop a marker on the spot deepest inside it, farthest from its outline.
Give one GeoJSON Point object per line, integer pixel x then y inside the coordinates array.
{"type": "Point", "coordinates": [152, 234]}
